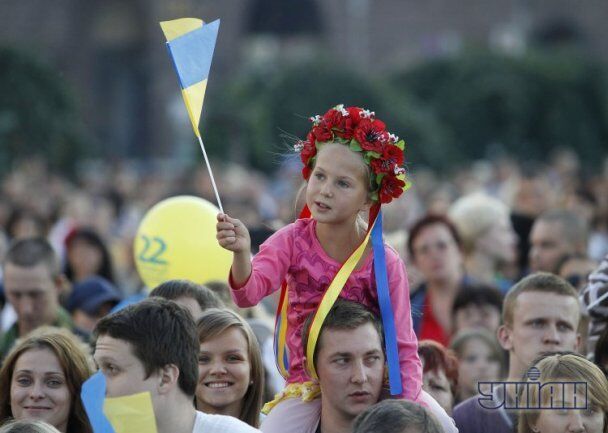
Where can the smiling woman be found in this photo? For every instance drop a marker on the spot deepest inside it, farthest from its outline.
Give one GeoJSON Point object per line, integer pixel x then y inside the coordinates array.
{"type": "Point", "coordinates": [231, 374]}
{"type": "Point", "coordinates": [41, 379]}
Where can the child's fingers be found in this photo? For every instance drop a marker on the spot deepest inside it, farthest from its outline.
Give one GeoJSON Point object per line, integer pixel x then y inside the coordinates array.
{"type": "Point", "coordinates": [223, 234]}
{"type": "Point", "coordinates": [224, 226]}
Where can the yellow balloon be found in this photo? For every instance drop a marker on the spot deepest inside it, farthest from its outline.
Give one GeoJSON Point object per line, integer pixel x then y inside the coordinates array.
{"type": "Point", "coordinates": [176, 240]}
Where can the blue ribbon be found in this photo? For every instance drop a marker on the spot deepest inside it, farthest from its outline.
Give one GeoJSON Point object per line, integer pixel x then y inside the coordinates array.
{"type": "Point", "coordinates": [386, 309]}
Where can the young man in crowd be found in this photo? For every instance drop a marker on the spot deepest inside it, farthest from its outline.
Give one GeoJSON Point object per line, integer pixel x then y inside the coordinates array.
{"type": "Point", "coordinates": [196, 298]}
{"type": "Point", "coordinates": [556, 234]}
{"type": "Point", "coordinates": [32, 284]}
{"type": "Point", "coordinates": [349, 361]}
{"type": "Point", "coordinates": [152, 346]}
{"type": "Point", "coordinates": [540, 314]}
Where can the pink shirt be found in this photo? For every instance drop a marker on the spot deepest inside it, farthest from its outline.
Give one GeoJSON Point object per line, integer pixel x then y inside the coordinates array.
{"type": "Point", "coordinates": [294, 254]}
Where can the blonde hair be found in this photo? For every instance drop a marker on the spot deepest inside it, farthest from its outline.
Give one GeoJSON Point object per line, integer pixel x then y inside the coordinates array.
{"type": "Point", "coordinates": [569, 367]}
{"type": "Point", "coordinates": [474, 214]}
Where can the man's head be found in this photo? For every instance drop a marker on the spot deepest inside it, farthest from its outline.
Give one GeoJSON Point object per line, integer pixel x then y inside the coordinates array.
{"type": "Point", "coordinates": [349, 361]}
{"type": "Point", "coordinates": [555, 234]}
{"type": "Point", "coordinates": [194, 297]}
{"type": "Point", "coordinates": [90, 300]}
{"type": "Point", "coordinates": [541, 313]}
{"type": "Point", "coordinates": [32, 282]}
{"type": "Point", "coordinates": [477, 307]}
{"type": "Point", "coordinates": [149, 346]}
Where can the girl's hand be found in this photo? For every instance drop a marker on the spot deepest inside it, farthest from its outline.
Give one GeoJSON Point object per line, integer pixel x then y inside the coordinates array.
{"type": "Point", "coordinates": [232, 234]}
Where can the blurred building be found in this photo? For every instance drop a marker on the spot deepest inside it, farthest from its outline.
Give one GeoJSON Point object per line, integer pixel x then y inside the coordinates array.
{"type": "Point", "coordinates": [113, 54]}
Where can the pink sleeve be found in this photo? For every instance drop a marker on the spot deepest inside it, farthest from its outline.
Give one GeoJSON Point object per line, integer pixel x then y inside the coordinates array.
{"type": "Point", "coordinates": [411, 367]}
{"type": "Point", "coordinates": [269, 267]}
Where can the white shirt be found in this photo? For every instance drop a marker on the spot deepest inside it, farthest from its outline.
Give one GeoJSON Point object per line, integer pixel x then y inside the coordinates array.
{"type": "Point", "coordinates": [207, 423]}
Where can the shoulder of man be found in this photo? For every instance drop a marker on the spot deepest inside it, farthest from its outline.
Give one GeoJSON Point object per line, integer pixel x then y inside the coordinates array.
{"type": "Point", "coordinates": [7, 340]}
{"type": "Point", "coordinates": [208, 423]}
{"type": "Point", "coordinates": [471, 417]}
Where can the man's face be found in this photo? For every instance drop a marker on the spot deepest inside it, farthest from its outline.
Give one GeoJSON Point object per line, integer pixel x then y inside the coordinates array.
{"type": "Point", "coordinates": [350, 366]}
{"type": "Point", "coordinates": [34, 294]}
{"type": "Point", "coordinates": [547, 246]}
{"type": "Point", "coordinates": [124, 372]}
{"type": "Point", "coordinates": [542, 322]}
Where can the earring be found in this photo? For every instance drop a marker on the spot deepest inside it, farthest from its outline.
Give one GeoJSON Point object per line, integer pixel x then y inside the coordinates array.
{"type": "Point", "coordinates": [251, 382]}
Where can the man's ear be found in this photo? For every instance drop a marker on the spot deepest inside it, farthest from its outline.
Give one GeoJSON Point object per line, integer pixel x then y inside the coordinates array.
{"type": "Point", "coordinates": [168, 376]}
{"type": "Point", "coordinates": [504, 337]}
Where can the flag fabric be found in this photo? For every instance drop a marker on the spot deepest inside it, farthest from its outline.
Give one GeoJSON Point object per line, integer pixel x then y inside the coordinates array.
{"type": "Point", "coordinates": [191, 43]}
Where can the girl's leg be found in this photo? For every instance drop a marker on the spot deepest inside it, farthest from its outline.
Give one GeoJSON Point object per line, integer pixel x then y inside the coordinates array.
{"type": "Point", "coordinates": [293, 415]}
{"type": "Point", "coordinates": [444, 419]}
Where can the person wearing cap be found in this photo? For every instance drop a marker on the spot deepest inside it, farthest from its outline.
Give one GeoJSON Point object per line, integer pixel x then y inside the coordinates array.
{"type": "Point", "coordinates": [90, 300]}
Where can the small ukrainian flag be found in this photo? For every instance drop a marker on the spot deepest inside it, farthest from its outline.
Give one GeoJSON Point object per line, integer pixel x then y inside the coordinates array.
{"type": "Point", "coordinates": [191, 43]}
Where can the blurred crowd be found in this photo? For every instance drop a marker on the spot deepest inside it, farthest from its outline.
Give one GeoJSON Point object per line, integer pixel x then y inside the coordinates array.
{"type": "Point", "coordinates": [468, 238]}
{"type": "Point", "coordinates": [106, 202]}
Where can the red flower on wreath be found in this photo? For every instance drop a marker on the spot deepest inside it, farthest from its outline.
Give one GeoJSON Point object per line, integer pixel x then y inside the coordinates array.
{"type": "Point", "coordinates": [371, 135]}
{"type": "Point", "coordinates": [391, 187]}
{"type": "Point", "coordinates": [308, 151]}
{"type": "Point", "coordinates": [391, 156]}
{"type": "Point", "coordinates": [322, 133]}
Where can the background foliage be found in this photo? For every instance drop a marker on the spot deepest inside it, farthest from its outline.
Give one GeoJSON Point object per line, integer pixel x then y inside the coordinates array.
{"type": "Point", "coordinates": [37, 114]}
{"type": "Point", "coordinates": [449, 110]}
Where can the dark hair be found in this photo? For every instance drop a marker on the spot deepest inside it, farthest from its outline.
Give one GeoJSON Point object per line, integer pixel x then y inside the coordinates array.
{"type": "Point", "coordinates": [215, 322]}
{"type": "Point", "coordinates": [393, 416]}
{"type": "Point", "coordinates": [478, 295]}
{"type": "Point", "coordinates": [601, 351]}
{"type": "Point", "coordinates": [74, 361]}
{"type": "Point", "coordinates": [91, 237]}
{"type": "Point", "coordinates": [344, 315]}
{"type": "Point", "coordinates": [221, 289]}
{"type": "Point", "coordinates": [161, 333]}
{"type": "Point", "coordinates": [436, 357]}
{"type": "Point", "coordinates": [429, 220]}
{"type": "Point", "coordinates": [175, 289]}
{"type": "Point", "coordinates": [18, 214]}
{"type": "Point", "coordinates": [28, 253]}
{"type": "Point", "coordinates": [537, 282]}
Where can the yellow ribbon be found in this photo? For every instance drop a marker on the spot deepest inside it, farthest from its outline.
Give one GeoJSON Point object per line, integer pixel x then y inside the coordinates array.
{"type": "Point", "coordinates": [329, 298]}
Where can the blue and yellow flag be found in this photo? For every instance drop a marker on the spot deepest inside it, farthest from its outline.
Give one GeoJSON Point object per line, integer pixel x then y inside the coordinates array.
{"type": "Point", "coordinates": [191, 43]}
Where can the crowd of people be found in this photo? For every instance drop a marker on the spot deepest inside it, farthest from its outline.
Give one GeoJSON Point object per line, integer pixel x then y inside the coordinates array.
{"type": "Point", "coordinates": [507, 266]}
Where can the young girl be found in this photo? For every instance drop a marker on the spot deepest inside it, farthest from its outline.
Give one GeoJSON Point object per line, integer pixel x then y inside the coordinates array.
{"type": "Point", "coordinates": [351, 165]}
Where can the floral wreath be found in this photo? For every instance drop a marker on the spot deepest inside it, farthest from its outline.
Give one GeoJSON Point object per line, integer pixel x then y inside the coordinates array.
{"type": "Point", "coordinates": [361, 132]}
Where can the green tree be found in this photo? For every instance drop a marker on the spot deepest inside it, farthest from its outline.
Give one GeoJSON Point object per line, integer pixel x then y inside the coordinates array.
{"type": "Point", "coordinates": [527, 104]}
{"type": "Point", "coordinates": [258, 113]}
{"type": "Point", "coordinates": [37, 114]}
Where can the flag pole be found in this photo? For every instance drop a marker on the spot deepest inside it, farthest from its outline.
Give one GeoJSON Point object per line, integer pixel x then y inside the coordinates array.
{"type": "Point", "coordinates": [217, 195]}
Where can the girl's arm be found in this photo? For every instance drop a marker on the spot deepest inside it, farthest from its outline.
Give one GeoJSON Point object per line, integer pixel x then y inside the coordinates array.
{"type": "Point", "coordinates": [250, 281]}
{"type": "Point", "coordinates": [411, 367]}
{"type": "Point", "coordinates": [234, 236]}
